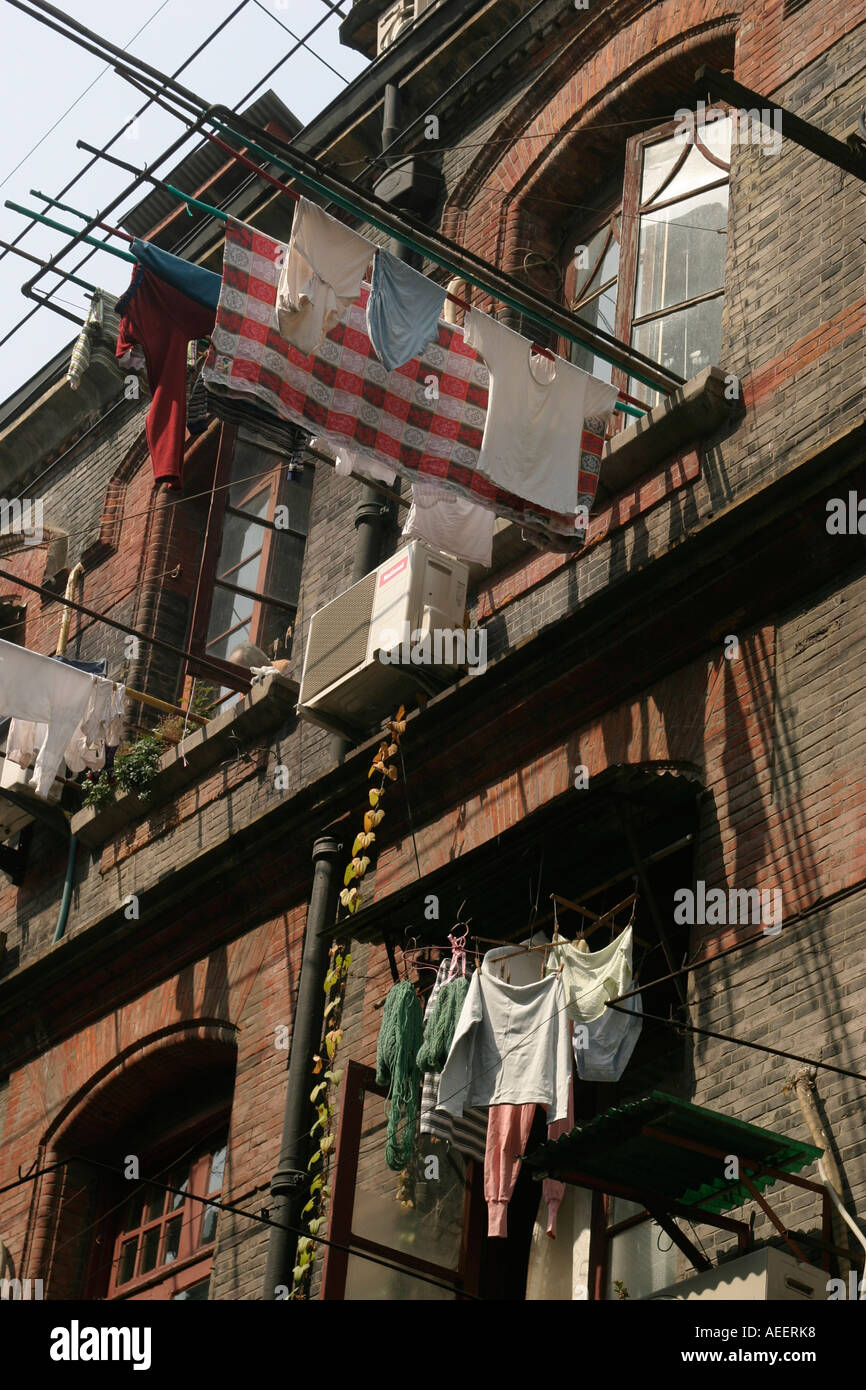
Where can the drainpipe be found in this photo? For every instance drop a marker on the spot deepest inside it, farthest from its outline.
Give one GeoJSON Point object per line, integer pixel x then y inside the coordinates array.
{"type": "Point", "coordinates": [67, 891]}
{"type": "Point", "coordinates": [74, 575]}
{"type": "Point", "coordinates": [804, 1085]}
{"type": "Point", "coordinates": [289, 1183]}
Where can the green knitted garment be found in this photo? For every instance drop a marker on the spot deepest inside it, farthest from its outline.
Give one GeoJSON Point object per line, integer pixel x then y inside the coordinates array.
{"type": "Point", "coordinates": [441, 1025]}
{"type": "Point", "coordinates": [396, 1068]}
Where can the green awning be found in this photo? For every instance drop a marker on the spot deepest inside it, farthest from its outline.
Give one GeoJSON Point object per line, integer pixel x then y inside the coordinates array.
{"type": "Point", "coordinates": [615, 1148]}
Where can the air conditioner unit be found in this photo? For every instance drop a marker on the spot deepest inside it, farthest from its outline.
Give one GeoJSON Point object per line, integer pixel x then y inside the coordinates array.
{"type": "Point", "coordinates": [763, 1276]}
{"type": "Point", "coordinates": [396, 18]}
{"type": "Point", "coordinates": [392, 22]}
{"type": "Point", "coordinates": [346, 686]}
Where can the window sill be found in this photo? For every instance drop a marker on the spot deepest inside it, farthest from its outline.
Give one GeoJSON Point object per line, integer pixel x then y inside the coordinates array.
{"type": "Point", "coordinates": [270, 703]}
{"type": "Point", "coordinates": [697, 410]}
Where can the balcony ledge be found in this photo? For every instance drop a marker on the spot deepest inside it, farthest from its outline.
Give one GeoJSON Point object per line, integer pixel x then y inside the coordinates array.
{"type": "Point", "coordinates": [269, 704]}
{"type": "Point", "coordinates": [694, 412]}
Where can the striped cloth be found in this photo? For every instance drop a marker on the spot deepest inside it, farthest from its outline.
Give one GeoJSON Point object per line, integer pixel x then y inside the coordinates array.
{"type": "Point", "coordinates": [466, 1132]}
{"type": "Point", "coordinates": [96, 341]}
{"type": "Point", "coordinates": [425, 419]}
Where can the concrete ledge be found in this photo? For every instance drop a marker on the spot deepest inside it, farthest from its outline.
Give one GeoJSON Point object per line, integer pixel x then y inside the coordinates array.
{"type": "Point", "coordinates": [694, 412]}
{"type": "Point", "coordinates": [271, 702]}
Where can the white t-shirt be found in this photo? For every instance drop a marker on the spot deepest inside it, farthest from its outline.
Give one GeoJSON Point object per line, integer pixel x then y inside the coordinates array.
{"type": "Point", "coordinates": [450, 523]}
{"type": "Point", "coordinates": [321, 276]}
{"type": "Point", "coordinates": [535, 415]}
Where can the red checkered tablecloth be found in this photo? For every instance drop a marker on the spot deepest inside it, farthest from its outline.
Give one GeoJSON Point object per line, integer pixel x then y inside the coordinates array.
{"type": "Point", "coordinates": [427, 418]}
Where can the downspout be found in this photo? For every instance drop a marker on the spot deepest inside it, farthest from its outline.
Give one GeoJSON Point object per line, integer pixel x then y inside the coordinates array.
{"type": "Point", "coordinates": [804, 1085]}
{"type": "Point", "coordinates": [289, 1183]}
{"type": "Point", "coordinates": [371, 513]}
{"type": "Point", "coordinates": [69, 593]}
{"type": "Point", "coordinates": [63, 914]}
{"type": "Point", "coordinates": [74, 575]}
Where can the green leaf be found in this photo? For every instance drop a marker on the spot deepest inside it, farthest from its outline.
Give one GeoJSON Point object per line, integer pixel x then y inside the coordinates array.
{"type": "Point", "coordinates": [316, 1184]}
{"type": "Point", "coordinates": [315, 1159]}
{"type": "Point", "coordinates": [297, 1274]}
{"type": "Point", "coordinates": [350, 873]}
{"type": "Point", "coordinates": [317, 1090]}
{"type": "Point", "coordinates": [359, 843]}
{"type": "Point", "coordinates": [316, 1224]}
{"type": "Point", "coordinates": [335, 1077]}
{"type": "Point", "coordinates": [328, 1142]}
{"type": "Point", "coordinates": [309, 1207]}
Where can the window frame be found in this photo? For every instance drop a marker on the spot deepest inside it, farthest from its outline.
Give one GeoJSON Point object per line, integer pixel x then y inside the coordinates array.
{"type": "Point", "coordinates": [623, 202]}
{"type": "Point", "coordinates": [626, 320]}
{"type": "Point", "coordinates": [235, 677]}
{"type": "Point", "coordinates": [193, 1261]}
{"type": "Point", "coordinates": [359, 1082]}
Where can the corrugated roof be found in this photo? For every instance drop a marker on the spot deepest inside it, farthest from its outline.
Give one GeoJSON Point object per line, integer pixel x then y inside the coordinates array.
{"type": "Point", "coordinates": [199, 166]}
{"type": "Point", "coordinates": [614, 1147]}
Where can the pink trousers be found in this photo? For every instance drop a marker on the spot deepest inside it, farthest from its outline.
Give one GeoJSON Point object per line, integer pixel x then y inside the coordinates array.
{"type": "Point", "coordinates": [508, 1129]}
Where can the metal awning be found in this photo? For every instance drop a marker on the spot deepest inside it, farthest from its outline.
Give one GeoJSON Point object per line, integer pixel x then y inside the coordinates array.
{"type": "Point", "coordinates": [672, 1147]}
{"type": "Point", "coordinates": [671, 1157]}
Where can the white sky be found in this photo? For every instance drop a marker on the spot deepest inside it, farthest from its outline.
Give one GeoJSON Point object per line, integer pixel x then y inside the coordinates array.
{"type": "Point", "coordinates": [42, 74]}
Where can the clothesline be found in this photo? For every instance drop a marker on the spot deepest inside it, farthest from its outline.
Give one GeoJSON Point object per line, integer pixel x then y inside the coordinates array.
{"type": "Point", "coordinates": [639, 407]}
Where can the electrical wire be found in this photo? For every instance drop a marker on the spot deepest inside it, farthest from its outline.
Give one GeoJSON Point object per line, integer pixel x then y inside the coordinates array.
{"type": "Point", "coordinates": [88, 88]}
{"type": "Point", "coordinates": [260, 1219]}
{"type": "Point", "coordinates": [107, 146]}
{"type": "Point", "coordinates": [303, 43]}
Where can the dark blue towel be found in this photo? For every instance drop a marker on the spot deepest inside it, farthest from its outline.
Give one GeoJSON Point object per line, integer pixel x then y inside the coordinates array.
{"type": "Point", "coordinates": [198, 284]}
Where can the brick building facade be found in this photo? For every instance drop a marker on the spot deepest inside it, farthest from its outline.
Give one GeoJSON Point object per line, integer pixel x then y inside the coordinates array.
{"type": "Point", "coordinates": [701, 658]}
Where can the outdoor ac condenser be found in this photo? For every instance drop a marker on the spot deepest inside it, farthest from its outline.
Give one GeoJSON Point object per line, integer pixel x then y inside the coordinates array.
{"type": "Point", "coordinates": [763, 1276]}
{"type": "Point", "coordinates": [345, 686]}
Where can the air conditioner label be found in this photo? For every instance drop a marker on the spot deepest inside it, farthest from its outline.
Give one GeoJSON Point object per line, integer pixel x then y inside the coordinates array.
{"type": "Point", "coordinates": [393, 570]}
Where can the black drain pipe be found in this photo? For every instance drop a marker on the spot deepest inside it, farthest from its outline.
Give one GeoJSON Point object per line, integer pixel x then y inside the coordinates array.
{"type": "Point", "coordinates": [289, 1185]}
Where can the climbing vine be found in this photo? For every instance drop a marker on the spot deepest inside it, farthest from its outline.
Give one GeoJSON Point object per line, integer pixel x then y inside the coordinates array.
{"type": "Point", "coordinates": [324, 1092]}
{"type": "Point", "coordinates": [382, 766]}
{"type": "Point", "coordinates": [323, 1096]}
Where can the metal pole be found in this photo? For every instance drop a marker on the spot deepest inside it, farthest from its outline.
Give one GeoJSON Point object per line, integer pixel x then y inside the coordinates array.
{"type": "Point", "coordinates": [289, 1183]}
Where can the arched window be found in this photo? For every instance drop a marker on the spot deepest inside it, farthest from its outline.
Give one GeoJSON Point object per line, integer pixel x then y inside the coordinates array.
{"type": "Point", "coordinates": [164, 1240]}
{"type": "Point", "coordinates": [648, 263]}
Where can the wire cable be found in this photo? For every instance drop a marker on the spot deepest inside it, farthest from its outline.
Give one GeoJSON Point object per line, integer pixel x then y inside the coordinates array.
{"type": "Point", "coordinates": [88, 88]}
{"type": "Point", "coordinates": [261, 1220]}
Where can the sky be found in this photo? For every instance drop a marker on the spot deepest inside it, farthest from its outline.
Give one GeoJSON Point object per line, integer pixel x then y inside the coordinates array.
{"type": "Point", "coordinates": [43, 75]}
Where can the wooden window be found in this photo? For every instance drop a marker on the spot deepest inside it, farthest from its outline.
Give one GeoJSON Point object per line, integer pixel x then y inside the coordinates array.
{"type": "Point", "coordinates": [434, 1230]}
{"type": "Point", "coordinates": [164, 1245]}
{"type": "Point", "coordinates": [254, 554]}
{"type": "Point", "coordinates": [653, 265]}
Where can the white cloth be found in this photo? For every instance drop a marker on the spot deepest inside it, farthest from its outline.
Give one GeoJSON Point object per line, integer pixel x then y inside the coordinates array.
{"type": "Point", "coordinates": [511, 1047]}
{"type": "Point", "coordinates": [514, 966]}
{"type": "Point", "coordinates": [116, 717]}
{"type": "Point", "coordinates": [23, 741]}
{"type": "Point", "coordinates": [451, 523]}
{"type": "Point", "coordinates": [37, 688]}
{"type": "Point", "coordinates": [605, 1051]}
{"type": "Point", "coordinates": [592, 977]}
{"type": "Point", "coordinates": [559, 1269]}
{"type": "Point", "coordinates": [535, 415]}
{"type": "Point", "coordinates": [320, 277]}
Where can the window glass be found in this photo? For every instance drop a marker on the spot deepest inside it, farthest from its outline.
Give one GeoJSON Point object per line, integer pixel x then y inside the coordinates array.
{"type": "Point", "coordinates": [681, 251]}
{"type": "Point", "coordinates": [595, 295]}
{"type": "Point", "coordinates": [685, 341]}
{"type": "Point", "coordinates": [643, 1258]}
